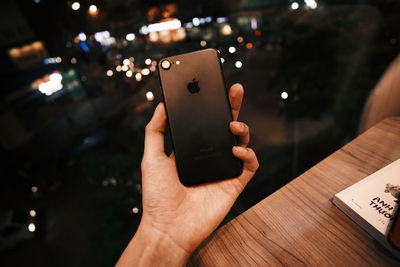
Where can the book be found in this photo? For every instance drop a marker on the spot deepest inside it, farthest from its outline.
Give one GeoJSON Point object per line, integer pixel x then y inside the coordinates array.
{"type": "Point", "coordinates": [372, 202]}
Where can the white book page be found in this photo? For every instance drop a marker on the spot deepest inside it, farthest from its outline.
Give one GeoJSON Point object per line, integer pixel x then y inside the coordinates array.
{"type": "Point", "coordinates": [373, 198]}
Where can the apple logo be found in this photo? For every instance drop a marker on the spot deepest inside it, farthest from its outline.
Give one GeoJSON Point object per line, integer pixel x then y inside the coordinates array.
{"type": "Point", "coordinates": [193, 86]}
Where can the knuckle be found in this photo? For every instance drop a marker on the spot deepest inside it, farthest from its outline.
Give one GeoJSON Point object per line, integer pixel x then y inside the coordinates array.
{"type": "Point", "coordinates": [257, 164]}
{"type": "Point", "coordinates": [251, 152]}
{"type": "Point", "coordinates": [244, 128]}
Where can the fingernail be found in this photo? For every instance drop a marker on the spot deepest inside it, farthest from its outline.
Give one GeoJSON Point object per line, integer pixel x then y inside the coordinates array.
{"type": "Point", "coordinates": [240, 149]}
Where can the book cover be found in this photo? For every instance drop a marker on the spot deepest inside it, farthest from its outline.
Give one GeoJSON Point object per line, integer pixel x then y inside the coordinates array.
{"type": "Point", "coordinates": [372, 202]}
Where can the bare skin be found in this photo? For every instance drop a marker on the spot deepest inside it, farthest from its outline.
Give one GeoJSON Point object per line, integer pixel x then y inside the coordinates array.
{"type": "Point", "coordinates": [176, 219]}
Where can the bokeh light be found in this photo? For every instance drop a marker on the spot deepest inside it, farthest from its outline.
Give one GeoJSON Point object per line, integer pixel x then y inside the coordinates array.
{"type": "Point", "coordinates": [149, 96]}
{"type": "Point", "coordinates": [75, 5]}
{"type": "Point", "coordinates": [130, 37]}
{"type": "Point", "coordinates": [196, 22]}
{"type": "Point", "coordinates": [135, 210]}
{"type": "Point", "coordinates": [294, 5]}
{"type": "Point", "coordinates": [145, 71]}
{"type": "Point", "coordinates": [249, 45]}
{"type": "Point", "coordinates": [31, 227]}
{"type": "Point", "coordinates": [238, 64]}
{"type": "Point", "coordinates": [138, 77]}
{"type": "Point", "coordinates": [226, 30]}
{"type": "Point", "coordinates": [311, 3]}
{"type": "Point", "coordinates": [93, 10]}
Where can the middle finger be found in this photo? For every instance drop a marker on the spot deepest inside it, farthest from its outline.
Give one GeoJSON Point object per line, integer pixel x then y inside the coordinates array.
{"type": "Point", "coordinates": [241, 130]}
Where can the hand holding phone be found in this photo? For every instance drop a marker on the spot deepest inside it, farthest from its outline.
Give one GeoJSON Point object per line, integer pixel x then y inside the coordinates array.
{"type": "Point", "coordinates": [176, 218]}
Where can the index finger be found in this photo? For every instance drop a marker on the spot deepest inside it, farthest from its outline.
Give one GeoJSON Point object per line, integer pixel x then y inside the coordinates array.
{"type": "Point", "coordinates": [236, 93]}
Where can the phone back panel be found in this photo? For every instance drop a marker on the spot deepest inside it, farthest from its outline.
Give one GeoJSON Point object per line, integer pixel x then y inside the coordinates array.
{"type": "Point", "coordinates": [199, 121]}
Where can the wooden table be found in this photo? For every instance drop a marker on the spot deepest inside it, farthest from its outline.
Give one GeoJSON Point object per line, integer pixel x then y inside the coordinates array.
{"type": "Point", "coordinates": [299, 225]}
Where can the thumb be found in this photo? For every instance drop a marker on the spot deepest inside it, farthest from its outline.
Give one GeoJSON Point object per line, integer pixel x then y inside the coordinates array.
{"type": "Point", "coordinates": [154, 133]}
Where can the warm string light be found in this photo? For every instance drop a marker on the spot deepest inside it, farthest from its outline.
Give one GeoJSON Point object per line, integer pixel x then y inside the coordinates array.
{"type": "Point", "coordinates": [226, 30]}
{"type": "Point", "coordinates": [93, 10]}
{"type": "Point", "coordinates": [31, 227]}
{"type": "Point", "coordinates": [75, 5]}
{"type": "Point", "coordinates": [145, 72]}
{"type": "Point", "coordinates": [125, 67]}
{"type": "Point", "coordinates": [149, 96]}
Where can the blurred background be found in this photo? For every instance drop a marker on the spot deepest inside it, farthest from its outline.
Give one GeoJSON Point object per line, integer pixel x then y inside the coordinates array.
{"type": "Point", "coordinates": [79, 83]}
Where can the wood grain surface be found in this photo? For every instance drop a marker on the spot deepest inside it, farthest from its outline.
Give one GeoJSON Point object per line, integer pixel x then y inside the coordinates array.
{"type": "Point", "coordinates": [299, 225]}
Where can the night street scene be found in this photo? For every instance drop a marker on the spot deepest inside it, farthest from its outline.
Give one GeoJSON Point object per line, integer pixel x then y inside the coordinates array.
{"type": "Point", "coordinates": [79, 83]}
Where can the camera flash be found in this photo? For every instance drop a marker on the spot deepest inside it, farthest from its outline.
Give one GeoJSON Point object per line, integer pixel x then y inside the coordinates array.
{"type": "Point", "coordinates": [178, 62]}
{"type": "Point", "coordinates": [165, 64]}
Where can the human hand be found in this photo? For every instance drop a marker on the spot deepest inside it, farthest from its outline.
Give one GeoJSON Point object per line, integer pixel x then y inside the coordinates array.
{"type": "Point", "coordinates": [176, 219]}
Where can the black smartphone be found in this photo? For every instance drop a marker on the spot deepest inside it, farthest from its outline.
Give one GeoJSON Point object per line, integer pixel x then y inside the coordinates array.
{"type": "Point", "coordinates": [199, 113]}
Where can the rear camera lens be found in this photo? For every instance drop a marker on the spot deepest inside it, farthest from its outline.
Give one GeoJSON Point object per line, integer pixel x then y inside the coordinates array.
{"type": "Point", "coordinates": [165, 64]}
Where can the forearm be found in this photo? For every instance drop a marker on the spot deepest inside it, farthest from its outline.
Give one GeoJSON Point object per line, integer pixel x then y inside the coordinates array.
{"type": "Point", "coordinates": [150, 247]}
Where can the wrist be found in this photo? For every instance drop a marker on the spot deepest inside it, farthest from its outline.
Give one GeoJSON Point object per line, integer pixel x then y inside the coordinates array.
{"type": "Point", "coordinates": [165, 246]}
{"type": "Point", "coordinates": [150, 246]}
